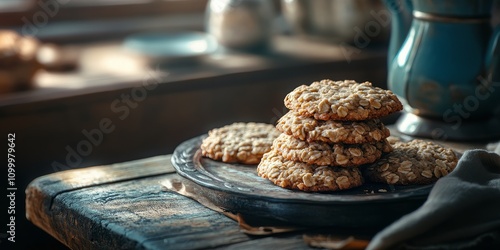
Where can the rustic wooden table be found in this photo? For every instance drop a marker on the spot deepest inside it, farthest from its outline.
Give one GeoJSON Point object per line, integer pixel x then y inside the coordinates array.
{"type": "Point", "coordinates": [124, 206]}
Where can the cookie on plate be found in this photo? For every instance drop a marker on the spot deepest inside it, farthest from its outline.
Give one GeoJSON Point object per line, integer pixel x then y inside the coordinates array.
{"type": "Point", "coordinates": [342, 100]}
{"type": "Point", "coordinates": [414, 162]}
{"type": "Point", "coordinates": [320, 153]}
{"type": "Point", "coordinates": [331, 131]}
{"type": "Point", "coordinates": [307, 177]}
{"type": "Point", "coordinates": [239, 142]}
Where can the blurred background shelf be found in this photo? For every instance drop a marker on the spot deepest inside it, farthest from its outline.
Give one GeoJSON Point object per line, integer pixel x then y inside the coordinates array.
{"type": "Point", "coordinates": [185, 99]}
{"type": "Point", "coordinates": [145, 108]}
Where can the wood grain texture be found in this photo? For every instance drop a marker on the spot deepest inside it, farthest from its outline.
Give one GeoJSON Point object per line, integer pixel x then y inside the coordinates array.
{"type": "Point", "coordinates": [42, 191]}
{"type": "Point", "coordinates": [69, 180]}
{"type": "Point", "coordinates": [131, 214]}
{"type": "Point", "coordinates": [124, 206]}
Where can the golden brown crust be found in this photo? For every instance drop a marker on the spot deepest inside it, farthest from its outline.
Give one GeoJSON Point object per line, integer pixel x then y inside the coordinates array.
{"type": "Point", "coordinates": [307, 177]}
{"type": "Point", "coordinates": [414, 162]}
{"type": "Point", "coordinates": [320, 153]}
{"type": "Point", "coordinates": [342, 100]}
{"type": "Point", "coordinates": [239, 142]}
{"type": "Point", "coordinates": [348, 132]}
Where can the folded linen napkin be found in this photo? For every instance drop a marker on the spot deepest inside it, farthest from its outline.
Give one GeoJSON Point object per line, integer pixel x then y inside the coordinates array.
{"type": "Point", "coordinates": [461, 212]}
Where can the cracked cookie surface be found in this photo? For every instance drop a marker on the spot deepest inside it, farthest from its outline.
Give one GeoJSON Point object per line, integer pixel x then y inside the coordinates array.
{"type": "Point", "coordinates": [350, 132]}
{"type": "Point", "coordinates": [413, 162]}
{"type": "Point", "coordinates": [239, 142]}
{"type": "Point", "coordinates": [320, 153]}
{"type": "Point", "coordinates": [307, 177]}
{"type": "Point", "coordinates": [342, 100]}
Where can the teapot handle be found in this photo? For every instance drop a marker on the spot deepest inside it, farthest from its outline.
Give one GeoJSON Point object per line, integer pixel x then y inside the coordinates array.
{"type": "Point", "coordinates": [492, 62]}
{"type": "Point", "coordinates": [401, 14]}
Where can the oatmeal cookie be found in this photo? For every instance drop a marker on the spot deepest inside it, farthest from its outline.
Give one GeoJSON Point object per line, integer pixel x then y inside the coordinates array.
{"type": "Point", "coordinates": [414, 162]}
{"type": "Point", "coordinates": [349, 132]}
{"type": "Point", "coordinates": [320, 153]}
{"type": "Point", "coordinates": [239, 142]}
{"type": "Point", "coordinates": [342, 100]}
{"type": "Point", "coordinates": [306, 177]}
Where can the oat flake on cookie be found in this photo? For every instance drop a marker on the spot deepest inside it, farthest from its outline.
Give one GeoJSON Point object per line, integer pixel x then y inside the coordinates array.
{"type": "Point", "coordinates": [307, 177]}
{"type": "Point", "coordinates": [342, 100]}
{"type": "Point", "coordinates": [349, 132]}
{"type": "Point", "coordinates": [413, 162]}
{"type": "Point", "coordinates": [239, 142]}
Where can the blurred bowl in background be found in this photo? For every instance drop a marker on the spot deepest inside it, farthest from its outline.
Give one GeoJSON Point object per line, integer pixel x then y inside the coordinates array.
{"type": "Point", "coordinates": [171, 46]}
{"type": "Point", "coordinates": [352, 21]}
{"type": "Point", "coordinates": [18, 61]}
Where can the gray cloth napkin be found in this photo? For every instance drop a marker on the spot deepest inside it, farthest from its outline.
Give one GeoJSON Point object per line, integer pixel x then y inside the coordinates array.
{"type": "Point", "coordinates": [461, 212]}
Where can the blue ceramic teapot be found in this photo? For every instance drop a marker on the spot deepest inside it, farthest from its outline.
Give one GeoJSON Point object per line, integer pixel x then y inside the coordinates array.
{"type": "Point", "coordinates": [443, 59]}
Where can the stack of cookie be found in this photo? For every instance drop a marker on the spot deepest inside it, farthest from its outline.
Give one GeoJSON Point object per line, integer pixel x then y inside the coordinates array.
{"type": "Point", "coordinates": [332, 128]}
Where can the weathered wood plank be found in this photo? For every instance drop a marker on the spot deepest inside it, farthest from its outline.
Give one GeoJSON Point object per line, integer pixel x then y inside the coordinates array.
{"type": "Point", "coordinates": [80, 178]}
{"type": "Point", "coordinates": [124, 206]}
{"type": "Point", "coordinates": [41, 191]}
{"type": "Point", "coordinates": [212, 238]}
{"type": "Point", "coordinates": [133, 213]}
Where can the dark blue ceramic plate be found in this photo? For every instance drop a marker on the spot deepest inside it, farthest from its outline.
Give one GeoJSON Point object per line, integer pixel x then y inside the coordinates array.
{"type": "Point", "coordinates": [238, 188]}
